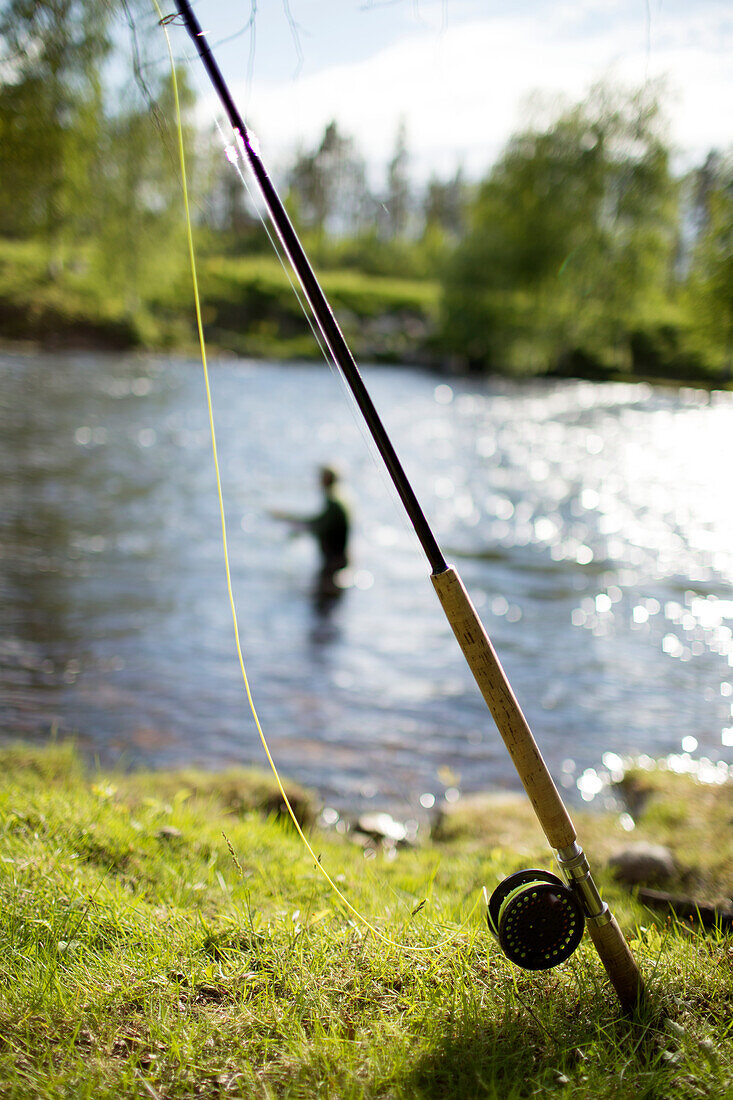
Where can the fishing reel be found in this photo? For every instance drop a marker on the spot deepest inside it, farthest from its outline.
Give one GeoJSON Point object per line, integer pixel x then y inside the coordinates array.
{"type": "Point", "coordinates": [536, 918]}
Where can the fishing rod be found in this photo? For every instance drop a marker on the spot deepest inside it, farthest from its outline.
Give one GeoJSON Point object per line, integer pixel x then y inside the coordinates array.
{"type": "Point", "coordinates": [536, 916]}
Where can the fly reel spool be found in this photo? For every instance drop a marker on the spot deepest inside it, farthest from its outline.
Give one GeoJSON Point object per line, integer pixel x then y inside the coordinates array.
{"type": "Point", "coordinates": [536, 918]}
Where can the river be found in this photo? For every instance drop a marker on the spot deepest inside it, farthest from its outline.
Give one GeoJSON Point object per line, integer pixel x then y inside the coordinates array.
{"type": "Point", "coordinates": [591, 523]}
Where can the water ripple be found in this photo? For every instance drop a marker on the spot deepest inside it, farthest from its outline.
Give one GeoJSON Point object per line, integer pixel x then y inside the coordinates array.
{"type": "Point", "coordinates": [590, 521]}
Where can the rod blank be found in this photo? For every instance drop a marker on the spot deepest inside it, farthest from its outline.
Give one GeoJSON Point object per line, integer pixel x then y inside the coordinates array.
{"type": "Point", "coordinates": [322, 311]}
{"type": "Point", "coordinates": [462, 616]}
{"type": "Point", "coordinates": [506, 712]}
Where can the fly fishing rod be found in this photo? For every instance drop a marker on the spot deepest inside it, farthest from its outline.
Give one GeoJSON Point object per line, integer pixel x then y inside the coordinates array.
{"type": "Point", "coordinates": [536, 916]}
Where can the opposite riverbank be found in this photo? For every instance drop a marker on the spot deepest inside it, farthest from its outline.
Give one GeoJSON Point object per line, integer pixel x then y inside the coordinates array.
{"type": "Point", "coordinates": [167, 935]}
{"type": "Point", "coordinates": [250, 310]}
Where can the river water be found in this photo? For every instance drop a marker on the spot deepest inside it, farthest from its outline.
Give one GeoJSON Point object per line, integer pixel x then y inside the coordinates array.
{"type": "Point", "coordinates": [591, 523]}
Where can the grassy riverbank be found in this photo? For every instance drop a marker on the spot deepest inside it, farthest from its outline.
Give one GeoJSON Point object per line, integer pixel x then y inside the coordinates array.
{"type": "Point", "coordinates": [140, 958]}
{"type": "Point", "coordinates": [249, 307]}
{"type": "Point", "coordinates": [250, 310]}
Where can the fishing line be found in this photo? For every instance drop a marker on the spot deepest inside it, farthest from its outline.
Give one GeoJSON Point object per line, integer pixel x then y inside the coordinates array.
{"type": "Point", "coordinates": [230, 592]}
{"type": "Point", "coordinates": [232, 154]}
{"type": "Point", "coordinates": [379, 444]}
{"type": "Point", "coordinates": [461, 614]}
{"type": "Point", "coordinates": [240, 166]}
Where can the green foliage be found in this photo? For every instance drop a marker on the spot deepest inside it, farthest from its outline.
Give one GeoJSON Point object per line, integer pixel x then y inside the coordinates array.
{"type": "Point", "coordinates": [710, 283]}
{"type": "Point", "coordinates": [579, 252]}
{"type": "Point", "coordinates": [70, 304]}
{"type": "Point", "coordinates": [51, 115]}
{"type": "Point", "coordinates": [570, 242]}
{"type": "Point", "coordinates": [370, 253]}
{"type": "Point", "coordinates": [140, 244]}
{"type": "Point", "coordinates": [327, 187]}
{"type": "Point", "coordinates": [92, 176]}
{"type": "Point", "coordinates": [251, 307]}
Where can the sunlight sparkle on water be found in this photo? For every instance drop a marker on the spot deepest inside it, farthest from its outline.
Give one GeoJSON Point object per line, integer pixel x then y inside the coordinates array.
{"type": "Point", "coordinates": [590, 783]}
{"type": "Point", "coordinates": [590, 523]}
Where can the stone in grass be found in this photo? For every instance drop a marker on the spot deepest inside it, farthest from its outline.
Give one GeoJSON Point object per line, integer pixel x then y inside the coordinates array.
{"type": "Point", "coordinates": [382, 827]}
{"type": "Point", "coordinates": [643, 864]}
{"type": "Point", "coordinates": [302, 803]}
{"type": "Point", "coordinates": [169, 832]}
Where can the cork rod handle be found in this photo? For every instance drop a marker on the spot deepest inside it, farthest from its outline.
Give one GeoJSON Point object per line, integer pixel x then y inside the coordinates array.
{"type": "Point", "coordinates": [537, 781]}
{"type": "Point", "coordinates": [501, 701]}
{"type": "Point", "coordinates": [619, 963]}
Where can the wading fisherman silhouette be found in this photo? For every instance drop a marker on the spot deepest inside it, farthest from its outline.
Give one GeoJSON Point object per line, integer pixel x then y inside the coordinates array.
{"type": "Point", "coordinates": [330, 527]}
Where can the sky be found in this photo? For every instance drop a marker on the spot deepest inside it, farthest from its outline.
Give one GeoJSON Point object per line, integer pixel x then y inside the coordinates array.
{"type": "Point", "coordinates": [461, 73]}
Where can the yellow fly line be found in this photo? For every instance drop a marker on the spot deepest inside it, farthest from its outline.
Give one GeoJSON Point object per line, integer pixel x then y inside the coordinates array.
{"type": "Point", "coordinates": [230, 591]}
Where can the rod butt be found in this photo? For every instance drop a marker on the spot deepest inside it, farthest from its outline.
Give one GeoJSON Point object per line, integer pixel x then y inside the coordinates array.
{"type": "Point", "coordinates": [619, 963]}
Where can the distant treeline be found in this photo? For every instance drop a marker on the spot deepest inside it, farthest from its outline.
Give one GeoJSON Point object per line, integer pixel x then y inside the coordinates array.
{"type": "Point", "coordinates": [581, 251]}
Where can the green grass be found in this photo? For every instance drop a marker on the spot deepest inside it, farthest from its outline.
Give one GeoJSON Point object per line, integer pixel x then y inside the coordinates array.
{"type": "Point", "coordinates": [140, 958]}
{"type": "Point", "coordinates": [249, 307]}
{"type": "Point", "coordinates": [248, 304]}
{"type": "Point", "coordinates": [363, 293]}
{"type": "Point", "coordinates": [51, 303]}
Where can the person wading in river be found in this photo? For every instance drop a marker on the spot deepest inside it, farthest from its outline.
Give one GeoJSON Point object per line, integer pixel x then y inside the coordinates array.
{"type": "Point", "coordinates": [330, 527]}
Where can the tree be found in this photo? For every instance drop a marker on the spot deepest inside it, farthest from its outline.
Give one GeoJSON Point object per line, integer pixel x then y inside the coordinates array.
{"type": "Point", "coordinates": [51, 114]}
{"type": "Point", "coordinates": [140, 239]}
{"type": "Point", "coordinates": [706, 181]}
{"type": "Point", "coordinates": [710, 279]}
{"type": "Point", "coordinates": [327, 187]}
{"type": "Point", "coordinates": [231, 212]}
{"type": "Point", "coordinates": [444, 203]}
{"type": "Point", "coordinates": [570, 237]}
{"type": "Point", "coordinates": [397, 200]}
